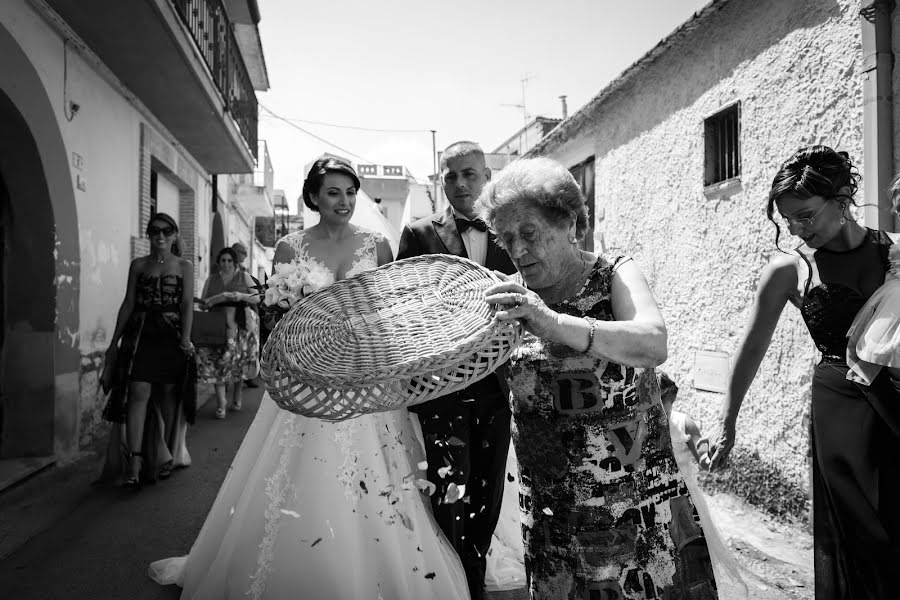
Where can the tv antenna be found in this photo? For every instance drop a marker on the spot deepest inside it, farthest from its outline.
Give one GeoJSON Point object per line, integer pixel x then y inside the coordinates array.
{"type": "Point", "coordinates": [523, 139]}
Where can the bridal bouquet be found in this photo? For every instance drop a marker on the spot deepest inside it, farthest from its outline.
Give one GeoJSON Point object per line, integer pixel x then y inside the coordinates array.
{"type": "Point", "coordinates": [285, 288]}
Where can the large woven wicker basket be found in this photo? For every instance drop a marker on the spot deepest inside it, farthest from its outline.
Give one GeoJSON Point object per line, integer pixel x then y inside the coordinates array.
{"type": "Point", "coordinates": [395, 336]}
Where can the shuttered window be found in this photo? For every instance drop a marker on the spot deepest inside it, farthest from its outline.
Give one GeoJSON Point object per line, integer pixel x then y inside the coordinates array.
{"type": "Point", "coordinates": [723, 145]}
{"type": "Point", "coordinates": [584, 175]}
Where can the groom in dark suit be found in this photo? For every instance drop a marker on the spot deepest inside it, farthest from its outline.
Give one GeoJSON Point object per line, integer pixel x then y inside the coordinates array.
{"type": "Point", "coordinates": [467, 431]}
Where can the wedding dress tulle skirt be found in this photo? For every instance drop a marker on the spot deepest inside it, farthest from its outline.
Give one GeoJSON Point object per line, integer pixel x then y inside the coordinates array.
{"type": "Point", "coordinates": [320, 510]}
{"type": "Point", "coordinates": [874, 337]}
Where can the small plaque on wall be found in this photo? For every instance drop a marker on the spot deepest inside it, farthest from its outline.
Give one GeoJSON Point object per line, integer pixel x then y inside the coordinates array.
{"type": "Point", "coordinates": [711, 370]}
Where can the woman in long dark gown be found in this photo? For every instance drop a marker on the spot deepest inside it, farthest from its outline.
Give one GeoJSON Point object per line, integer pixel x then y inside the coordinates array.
{"type": "Point", "coordinates": [855, 428]}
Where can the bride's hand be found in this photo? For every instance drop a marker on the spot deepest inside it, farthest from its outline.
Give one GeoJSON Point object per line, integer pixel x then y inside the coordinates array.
{"type": "Point", "coordinates": [520, 304]}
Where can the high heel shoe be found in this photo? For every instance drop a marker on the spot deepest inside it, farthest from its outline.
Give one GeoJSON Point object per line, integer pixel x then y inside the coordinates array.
{"type": "Point", "coordinates": [134, 481]}
{"type": "Point", "coordinates": [165, 471]}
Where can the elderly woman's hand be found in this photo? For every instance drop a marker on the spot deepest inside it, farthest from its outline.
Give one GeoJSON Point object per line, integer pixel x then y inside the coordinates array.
{"type": "Point", "coordinates": [520, 304]}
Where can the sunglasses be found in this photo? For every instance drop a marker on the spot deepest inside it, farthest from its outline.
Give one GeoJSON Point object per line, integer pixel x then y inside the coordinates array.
{"type": "Point", "coordinates": [154, 231]}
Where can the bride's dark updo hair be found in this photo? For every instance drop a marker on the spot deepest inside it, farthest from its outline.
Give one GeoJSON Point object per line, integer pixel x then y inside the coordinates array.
{"type": "Point", "coordinates": [814, 171]}
{"type": "Point", "coordinates": [316, 176]}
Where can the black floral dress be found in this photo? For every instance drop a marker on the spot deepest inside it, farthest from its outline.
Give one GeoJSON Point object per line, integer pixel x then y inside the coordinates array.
{"type": "Point", "coordinates": [605, 511]}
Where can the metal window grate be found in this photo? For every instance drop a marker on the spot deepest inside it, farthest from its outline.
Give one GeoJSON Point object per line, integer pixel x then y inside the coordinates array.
{"type": "Point", "coordinates": [723, 148]}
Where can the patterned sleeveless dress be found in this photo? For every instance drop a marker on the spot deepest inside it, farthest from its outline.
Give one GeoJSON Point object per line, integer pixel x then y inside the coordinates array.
{"type": "Point", "coordinates": [605, 511]}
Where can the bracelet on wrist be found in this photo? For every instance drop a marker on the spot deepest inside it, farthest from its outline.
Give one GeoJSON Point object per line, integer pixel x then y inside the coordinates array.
{"type": "Point", "coordinates": [593, 325]}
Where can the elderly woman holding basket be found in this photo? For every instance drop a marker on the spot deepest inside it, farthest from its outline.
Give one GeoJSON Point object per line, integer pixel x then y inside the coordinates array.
{"type": "Point", "coordinates": [604, 507]}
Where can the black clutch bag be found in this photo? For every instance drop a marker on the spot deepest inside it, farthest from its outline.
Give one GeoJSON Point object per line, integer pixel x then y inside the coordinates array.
{"type": "Point", "coordinates": [209, 328]}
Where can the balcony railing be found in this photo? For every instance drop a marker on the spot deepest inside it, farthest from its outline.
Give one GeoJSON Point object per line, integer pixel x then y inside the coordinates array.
{"type": "Point", "coordinates": [214, 35]}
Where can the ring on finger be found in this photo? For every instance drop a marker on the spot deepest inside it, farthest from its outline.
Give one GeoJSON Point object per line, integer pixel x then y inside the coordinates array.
{"type": "Point", "coordinates": [520, 299]}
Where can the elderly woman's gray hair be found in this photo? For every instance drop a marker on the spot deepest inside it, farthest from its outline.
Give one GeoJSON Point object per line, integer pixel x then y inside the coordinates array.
{"type": "Point", "coordinates": [541, 181]}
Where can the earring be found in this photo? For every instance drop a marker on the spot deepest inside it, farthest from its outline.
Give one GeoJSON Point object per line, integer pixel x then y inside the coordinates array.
{"type": "Point", "coordinates": [843, 213]}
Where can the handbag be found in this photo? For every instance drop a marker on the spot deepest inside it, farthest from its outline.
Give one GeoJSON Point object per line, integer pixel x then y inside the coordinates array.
{"type": "Point", "coordinates": [209, 328]}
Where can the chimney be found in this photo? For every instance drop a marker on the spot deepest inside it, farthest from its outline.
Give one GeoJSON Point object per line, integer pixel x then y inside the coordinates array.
{"type": "Point", "coordinates": [565, 109]}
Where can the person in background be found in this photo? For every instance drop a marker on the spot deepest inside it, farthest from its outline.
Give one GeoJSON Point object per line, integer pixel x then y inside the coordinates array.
{"type": "Point", "coordinates": [229, 291]}
{"type": "Point", "coordinates": [252, 320]}
{"type": "Point", "coordinates": [146, 362]}
{"type": "Point", "coordinates": [467, 430]}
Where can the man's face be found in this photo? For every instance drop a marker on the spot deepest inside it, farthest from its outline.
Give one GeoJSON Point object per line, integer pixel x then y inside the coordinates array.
{"type": "Point", "coordinates": [240, 257]}
{"type": "Point", "coordinates": [462, 178]}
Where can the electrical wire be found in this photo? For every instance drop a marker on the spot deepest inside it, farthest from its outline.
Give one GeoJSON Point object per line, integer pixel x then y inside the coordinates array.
{"type": "Point", "coordinates": [353, 127]}
{"type": "Point", "coordinates": [321, 139]}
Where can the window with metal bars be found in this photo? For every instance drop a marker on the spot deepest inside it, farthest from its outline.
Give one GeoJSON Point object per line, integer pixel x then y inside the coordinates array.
{"type": "Point", "coordinates": [723, 145]}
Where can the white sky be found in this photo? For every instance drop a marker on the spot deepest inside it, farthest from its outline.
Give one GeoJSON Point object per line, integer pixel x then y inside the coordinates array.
{"type": "Point", "coordinates": [448, 66]}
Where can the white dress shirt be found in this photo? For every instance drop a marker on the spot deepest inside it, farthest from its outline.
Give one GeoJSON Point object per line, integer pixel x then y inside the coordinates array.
{"type": "Point", "coordinates": [475, 241]}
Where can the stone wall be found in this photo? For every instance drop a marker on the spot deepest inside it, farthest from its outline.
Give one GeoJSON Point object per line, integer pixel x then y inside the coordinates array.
{"type": "Point", "coordinates": [795, 69]}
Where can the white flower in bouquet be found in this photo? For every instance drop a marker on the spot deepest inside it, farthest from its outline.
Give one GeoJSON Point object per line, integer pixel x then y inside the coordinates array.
{"type": "Point", "coordinates": [286, 286]}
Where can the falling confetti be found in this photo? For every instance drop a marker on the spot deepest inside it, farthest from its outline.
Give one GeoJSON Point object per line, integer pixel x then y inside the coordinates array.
{"type": "Point", "coordinates": [362, 484]}
{"type": "Point", "coordinates": [429, 575]}
{"type": "Point", "coordinates": [444, 471]}
{"type": "Point", "coordinates": [290, 513]}
{"type": "Point", "coordinates": [426, 486]}
{"type": "Point", "coordinates": [454, 493]}
{"type": "Point", "coordinates": [510, 478]}
{"type": "Point", "coordinates": [423, 465]}
{"type": "Point", "coordinates": [547, 512]}
{"type": "Point", "coordinates": [315, 542]}
{"type": "Point", "coordinates": [455, 441]}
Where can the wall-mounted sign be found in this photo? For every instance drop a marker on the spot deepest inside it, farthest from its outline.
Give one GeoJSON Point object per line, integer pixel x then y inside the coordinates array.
{"type": "Point", "coordinates": [711, 370]}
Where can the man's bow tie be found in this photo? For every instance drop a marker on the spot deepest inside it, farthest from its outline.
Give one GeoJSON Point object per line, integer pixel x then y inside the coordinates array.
{"type": "Point", "coordinates": [463, 224]}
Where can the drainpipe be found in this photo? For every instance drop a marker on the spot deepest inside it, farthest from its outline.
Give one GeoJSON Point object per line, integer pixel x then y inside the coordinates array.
{"type": "Point", "coordinates": [878, 122]}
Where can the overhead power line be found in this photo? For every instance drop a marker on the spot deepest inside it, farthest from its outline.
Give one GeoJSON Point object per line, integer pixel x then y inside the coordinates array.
{"type": "Point", "coordinates": [339, 126]}
{"type": "Point", "coordinates": [311, 134]}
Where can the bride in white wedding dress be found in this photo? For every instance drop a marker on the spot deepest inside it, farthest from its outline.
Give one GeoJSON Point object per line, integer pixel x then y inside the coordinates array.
{"type": "Point", "coordinates": [314, 509]}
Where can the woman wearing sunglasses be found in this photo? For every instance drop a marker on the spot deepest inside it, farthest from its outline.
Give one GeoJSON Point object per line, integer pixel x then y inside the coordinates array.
{"type": "Point", "coordinates": [146, 362]}
{"type": "Point", "coordinates": [855, 429]}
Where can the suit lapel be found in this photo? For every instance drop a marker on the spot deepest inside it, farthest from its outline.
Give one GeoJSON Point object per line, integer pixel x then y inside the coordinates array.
{"type": "Point", "coordinates": [445, 228]}
{"type": "Point", "coordinates": [496, 257]}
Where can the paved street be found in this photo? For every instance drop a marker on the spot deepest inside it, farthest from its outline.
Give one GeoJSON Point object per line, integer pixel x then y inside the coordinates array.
{"type": "Point", "coordinates": [62, 538]}
{"type": "Point", "coordinates": [95, 543]}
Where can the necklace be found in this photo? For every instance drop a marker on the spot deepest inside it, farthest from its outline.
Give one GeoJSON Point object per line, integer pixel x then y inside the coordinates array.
{"type": "Point", "coordinates": [159, 260]}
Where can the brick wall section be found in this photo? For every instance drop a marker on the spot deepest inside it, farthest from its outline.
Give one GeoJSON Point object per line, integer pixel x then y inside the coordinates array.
{"type": "Point", "coordinates": [158, 154]}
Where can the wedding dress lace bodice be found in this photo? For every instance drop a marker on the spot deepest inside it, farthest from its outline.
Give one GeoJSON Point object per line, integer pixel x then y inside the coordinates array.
{"type": "Point", "coordinates": [366, 256]}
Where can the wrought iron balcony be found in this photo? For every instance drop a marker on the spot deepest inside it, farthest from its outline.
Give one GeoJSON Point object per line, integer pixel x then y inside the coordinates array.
{"type": "Point", "coordinates": [208, 23]}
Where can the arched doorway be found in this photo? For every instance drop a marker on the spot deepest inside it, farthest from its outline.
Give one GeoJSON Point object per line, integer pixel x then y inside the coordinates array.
{"type": "Point", "coordinates": [39, 357]}
{"type": "Point", "coordinates": [28, 270]}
